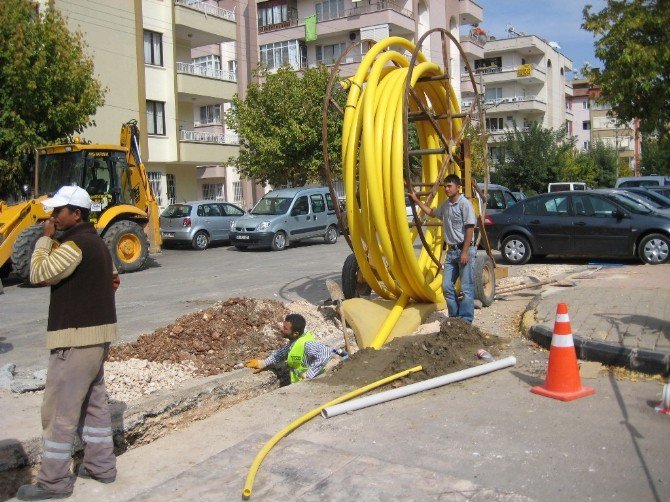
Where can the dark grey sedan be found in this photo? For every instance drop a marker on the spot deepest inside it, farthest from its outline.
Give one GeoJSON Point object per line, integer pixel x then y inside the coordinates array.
{"type": "Point", "coordinates": [591, 223]}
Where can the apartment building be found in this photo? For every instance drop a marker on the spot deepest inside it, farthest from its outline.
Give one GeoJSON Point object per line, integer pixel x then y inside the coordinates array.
{"type": "Point", "coordinates": [523, 80]}
{"type": "Point", "coordinates": [305, 33]}
{"type": "Point", "coordinates": [172, 66]}
{"type": "Point", "coordinates": [595, 122]}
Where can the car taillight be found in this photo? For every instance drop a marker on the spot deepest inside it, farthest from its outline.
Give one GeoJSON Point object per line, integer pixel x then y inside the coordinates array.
{"type": "Point", "coordinates": [488, 221]}
{"type": "Point", "coordinates": [186, 222]}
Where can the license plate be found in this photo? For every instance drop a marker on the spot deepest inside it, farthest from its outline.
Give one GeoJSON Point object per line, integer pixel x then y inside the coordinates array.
{"type": "Point", "coordinates": [167, 234]}
{"type": "Point", "coordinates": [242, 237]}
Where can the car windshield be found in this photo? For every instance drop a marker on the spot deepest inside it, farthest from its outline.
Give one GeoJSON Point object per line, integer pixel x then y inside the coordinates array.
{"type": "Point", "coordinates": [176, 211]}
{"type": "Point", "coordinates": [633, 205]}
{"type": "Point", "coordinates": [271, 206]}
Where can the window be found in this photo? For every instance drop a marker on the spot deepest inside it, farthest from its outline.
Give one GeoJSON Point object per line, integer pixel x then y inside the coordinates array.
{"type": "Point", "coordinates": [210, 114]}
{"type": "Point", "coordinates": [212, 191]}
{"type": "Point", "coordinates": [586, 145]}
{"type": "Point", "coordinates": [171, 188]}
{"type": "Point", "coordinates": [328, 54]}
{"type": "Point", "coordinates": [493, 93]}
{"type": "Point", "coordinates": [588, 205]}
{"type": "Point", "coordinates": [318, 205]}
{"type": "Point", "coordinates": [156, 182]}
{"type": "Point", "coordinates": [232, 66]}
{"type": "Point", "coordinates": [237, 191]}
{"type": "Point", "coordinates": [272, 14]}
{"type": "Point", "coordinates": [288, 52]}
{"type": "Point", "coordinates": [494, 124]}
{"type": "Point", "coordinates": [301, 206]}
{"type": "Point", "coordinates": [330, 9]}
{"type": "Point", "coordinates": [586, 125]}
{"type": "Point", "coordinates": [230, 210]}
{"type": "Point", "coordinates": [207, 65]}
{"type": "Point", "coordinates": [153, 48]}
{"type": "Point", "coordinates": [329, 203]}
{"type": "Point", "coordinates": [586, 104]}
{"type": "Point", "coordinates": [156, 117]}
{"type": "Point", "coordinates": [488, 65]}
{"type": "Point", "coordinates": [553, 206]}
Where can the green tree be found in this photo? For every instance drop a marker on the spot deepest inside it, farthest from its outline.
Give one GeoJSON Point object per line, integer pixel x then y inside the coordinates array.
{"type": "Point", "coordinates": [532, 158]}
{"type": "Point", "coordinates": [633, 41]}
{"type": "Point", "coordinates": [478, 154]}
{"type": "Point", "coordinates": [655, 155]}
{"type": "Point", "coordinates": [280, 128]}
{"type": "Point", "coordinates": [597, 166]}
{"type": "Point", "coordinates": [47, 87]}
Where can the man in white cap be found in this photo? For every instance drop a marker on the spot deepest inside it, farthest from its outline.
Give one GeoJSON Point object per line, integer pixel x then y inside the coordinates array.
{"type": "Point", "coordinates": [81, 325]}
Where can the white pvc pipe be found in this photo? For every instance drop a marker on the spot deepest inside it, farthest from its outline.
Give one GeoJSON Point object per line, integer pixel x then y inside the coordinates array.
{"type": "Point", "coordinates": [389, 395]}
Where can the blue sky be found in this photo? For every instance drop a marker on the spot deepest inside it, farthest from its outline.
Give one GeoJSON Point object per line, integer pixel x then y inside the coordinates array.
{"type": "Point", "coordinates": [554, 20]}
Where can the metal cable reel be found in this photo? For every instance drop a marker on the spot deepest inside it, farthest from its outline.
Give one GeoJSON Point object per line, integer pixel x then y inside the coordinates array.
{"type": "Point", "coordinates": [388, 91]}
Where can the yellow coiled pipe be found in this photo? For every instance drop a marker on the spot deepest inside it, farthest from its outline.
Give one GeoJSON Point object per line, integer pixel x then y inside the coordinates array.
{"type": "Point", "coordinates": [249, 483]}
{"type": "Point", "coordinates": [373, 168]}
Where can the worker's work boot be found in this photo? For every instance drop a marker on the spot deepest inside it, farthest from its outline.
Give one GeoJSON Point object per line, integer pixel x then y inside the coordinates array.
{"type": "Point", "coordinates": [36, 492]}
{"type": "Point", "coordinates": [84, 473]}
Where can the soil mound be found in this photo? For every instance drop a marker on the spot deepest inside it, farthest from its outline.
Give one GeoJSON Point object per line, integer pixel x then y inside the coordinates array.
{"type": "Point", "coordinates": [213, 340]}
{"type": "Point", "coordinates": [452, 349]}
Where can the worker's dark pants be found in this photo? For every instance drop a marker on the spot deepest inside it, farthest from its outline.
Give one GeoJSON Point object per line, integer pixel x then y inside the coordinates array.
{"type": "Point", "coordinates": [75, 400]}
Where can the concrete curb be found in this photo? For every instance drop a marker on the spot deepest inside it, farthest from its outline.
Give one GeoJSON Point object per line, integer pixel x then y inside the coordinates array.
{"type": "Point", "coordinates": [157, 415]}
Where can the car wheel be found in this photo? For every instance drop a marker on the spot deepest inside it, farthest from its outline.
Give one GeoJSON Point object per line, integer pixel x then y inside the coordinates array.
{"type": "Point", "coordinates": [654, 249]}
{"type": "Point", "coordinates": [484, 279]}
{"type": "Point", "coordinates": [279, 241]}
{"type": "Point", "coordinates": [516, 250]}
{"type": "Point", "coordinates": [200, 241]}
{"type": "Point", "coordinates": [241, 248]}
{"type": "Point", "coordinates": [331, 235]}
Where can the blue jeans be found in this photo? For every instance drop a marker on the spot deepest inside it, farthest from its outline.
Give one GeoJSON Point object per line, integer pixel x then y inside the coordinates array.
{"type": "Point", "coordinates": [452, 271]}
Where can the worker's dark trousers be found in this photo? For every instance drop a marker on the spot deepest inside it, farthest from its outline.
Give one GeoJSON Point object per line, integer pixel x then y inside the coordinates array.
{"type": "Point", "coordinates": [75, 399]}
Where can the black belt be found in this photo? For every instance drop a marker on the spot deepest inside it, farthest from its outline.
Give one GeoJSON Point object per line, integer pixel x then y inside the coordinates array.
{"type": "Point", "coordinates": [458, 246]}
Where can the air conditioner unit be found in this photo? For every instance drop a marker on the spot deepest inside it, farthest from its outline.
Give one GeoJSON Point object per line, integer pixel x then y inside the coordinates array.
{"type": "Point", "coordinates": [348, 60]}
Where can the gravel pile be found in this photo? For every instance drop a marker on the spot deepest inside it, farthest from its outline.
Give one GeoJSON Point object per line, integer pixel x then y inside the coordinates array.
{"type": "Point", "coordinates": [135, 378]}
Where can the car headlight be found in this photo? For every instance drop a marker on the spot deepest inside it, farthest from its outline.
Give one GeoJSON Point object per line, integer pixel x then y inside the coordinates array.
{"type": "Point", "coordinates": [232, 225]}
{"type": "Point", "coordinates": [263, 226]}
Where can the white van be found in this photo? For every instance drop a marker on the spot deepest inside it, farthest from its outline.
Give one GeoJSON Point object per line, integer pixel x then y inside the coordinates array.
{"type": "Point", "coordinates": [642, 181]}
{"type": "Point", "coordinates": [566, 186]}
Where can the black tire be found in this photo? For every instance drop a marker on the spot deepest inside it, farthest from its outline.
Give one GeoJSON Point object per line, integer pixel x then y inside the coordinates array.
{"type": "Point", "coordinates": [654, 249]}
{"type": "Point", "coordinates": [331, 234]}
{"type": "Point", "coordinates": [23, 250]}
{"type": "Point", "coordinates": [352, 287]}
{"type": "Point", "coordinates": [200, 241]}
{"type": "Point", "coordinates": [279, 241]}
{"type": "Point", "coordinates": [128, 245]}
{"type": "Point", "coordinates": [484, 279]}
{"type": "Point", "coordinates": [515, 249]}
{"type": "Point", "coordinates": [241, 248]}
{"type": "Point", "coordinates": [6, 269]}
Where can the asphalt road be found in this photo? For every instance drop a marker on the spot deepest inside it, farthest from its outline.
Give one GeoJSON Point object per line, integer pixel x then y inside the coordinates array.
{"type": "Point", "coordinates": [176, 282]}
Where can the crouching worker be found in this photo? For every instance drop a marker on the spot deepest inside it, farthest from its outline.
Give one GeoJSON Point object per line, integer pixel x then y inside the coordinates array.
{"type": "Point", "coordinates": [304, 356]}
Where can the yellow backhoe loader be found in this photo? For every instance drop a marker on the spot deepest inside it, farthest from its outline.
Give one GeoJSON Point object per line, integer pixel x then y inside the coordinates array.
{"type": "Point", "coordinates": [124, 210]}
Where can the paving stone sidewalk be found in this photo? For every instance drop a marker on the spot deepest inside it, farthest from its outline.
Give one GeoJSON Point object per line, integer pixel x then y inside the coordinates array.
{"type": "Point", "coordinates": [619, 315]}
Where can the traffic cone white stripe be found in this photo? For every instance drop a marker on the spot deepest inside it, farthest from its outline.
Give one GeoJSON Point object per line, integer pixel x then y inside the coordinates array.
{"type": "Point", "coordinates": [562, 318]}
{"type": "Point", "coordinates": [562, 341]}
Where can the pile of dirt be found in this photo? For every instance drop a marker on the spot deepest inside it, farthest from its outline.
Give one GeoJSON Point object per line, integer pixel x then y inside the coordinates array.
{"type": "Point", "coordinates": [214, 340]}
{"type": "Point", "coordinates": [452, 349]}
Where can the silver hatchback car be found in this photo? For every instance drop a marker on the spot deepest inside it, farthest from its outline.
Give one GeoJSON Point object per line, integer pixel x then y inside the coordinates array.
{"type": "Point", "coordinates": [198, 222]}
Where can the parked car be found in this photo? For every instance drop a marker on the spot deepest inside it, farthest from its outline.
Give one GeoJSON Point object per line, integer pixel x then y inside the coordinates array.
{"type": "Point", "coordinates": [198, 222]}
{"type": "Point", "coordinates": [665, 191]}
{"type": "Point", "coordinates": [287, 215]}
{"type": "Point", "coordinates": [604, 223]}
{"type": "Point", "coordinates": [566, 186]}
{"type": "Point", "coordinates": [498, 198]}
{"type": "Point", "coordinates": [519, 196]}
{"type": "Point", "coordinates": [658, 199]}
{"type": "Point", "coordinates": [642, 181]}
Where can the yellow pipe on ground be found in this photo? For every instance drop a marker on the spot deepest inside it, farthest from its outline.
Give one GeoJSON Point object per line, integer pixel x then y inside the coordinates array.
{"type": "Point", "coordinates": [249, 483]}
{"type": "Point", "coordinates": [374, 177]}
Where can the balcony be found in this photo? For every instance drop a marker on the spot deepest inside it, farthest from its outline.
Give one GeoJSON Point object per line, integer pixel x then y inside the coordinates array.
{"type": "Point", "coordinates": [199, 81]}
{"type": "Point", "coordinates": [470, 12]}
{"type": "Point", "coordinates": [473, 46]}
{"type": "Point", "coordinates": [530, 103]}
{"type": "Point", "coordinates": [196, 147]}
{"type": "Point", "coordinates": [524, 74]}
{"type": "Point", "coordinates": [400, 20]}
{"type": "Point", "coordinates": [528, 45]}
{"type": "Point", "coordinates": [201, 23]}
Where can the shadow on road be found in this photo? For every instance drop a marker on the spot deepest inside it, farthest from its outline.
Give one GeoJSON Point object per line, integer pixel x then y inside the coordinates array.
{"type": "Point", "coordinates": [311, 288]}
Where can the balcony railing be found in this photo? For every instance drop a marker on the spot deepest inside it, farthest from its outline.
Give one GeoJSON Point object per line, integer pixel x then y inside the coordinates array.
{"type": "Point", "coordinates": [357, 10]}
{"type": "Point", "coordinates": [291, 21]}
{"type": "Point", "coordinates": [209, 9]}
{"type": "Point", "coordinates": [205, 124]}
{"type": "Point", "coordinates": [513, 99]}
{"type": "Point", "coordinates": [206, 71]}
{"type": "Point", "coordinates": [477, 40]}
{"type": "Point", "coordinates": [498, 69]}
{"type": "Point", "coordinates": [209, 137]}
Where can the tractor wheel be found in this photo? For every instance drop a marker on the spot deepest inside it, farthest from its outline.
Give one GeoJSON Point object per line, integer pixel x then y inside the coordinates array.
{"type": "Point", "coordinates": [23, 250]}
{"type": "Point", "coordinates": [128, 244]}
{"type": "Point", "coordinates": [484, 279]}
{"type": "Point", "coordinates": [352, 287]}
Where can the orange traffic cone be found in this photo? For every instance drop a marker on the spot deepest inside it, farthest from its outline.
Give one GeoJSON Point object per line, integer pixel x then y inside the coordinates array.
{"type": "Point", "coordinates": [562, 381]}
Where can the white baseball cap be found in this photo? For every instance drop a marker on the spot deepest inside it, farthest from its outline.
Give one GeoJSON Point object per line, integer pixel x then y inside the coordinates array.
{"type": "Point", "coordinates": [69, 195]}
